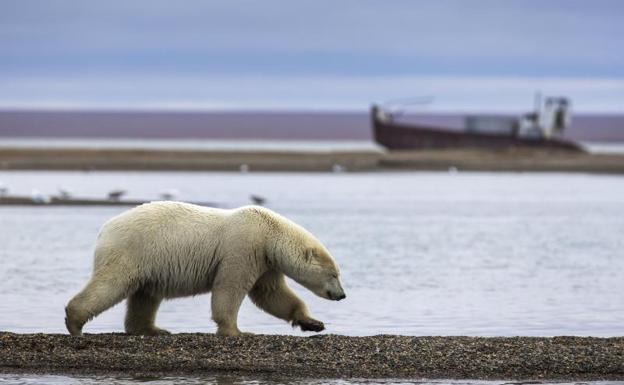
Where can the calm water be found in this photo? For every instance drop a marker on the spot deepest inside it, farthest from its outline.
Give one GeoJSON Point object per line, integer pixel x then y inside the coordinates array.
{"type": "Point", "coordinates": [195, 144]}
{"type": "Point", "coordinates": [421, 253]}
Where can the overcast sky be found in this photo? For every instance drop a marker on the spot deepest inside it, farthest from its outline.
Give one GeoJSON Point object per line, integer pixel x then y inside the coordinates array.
{"type": "Point", "coordinates": [469, 55]}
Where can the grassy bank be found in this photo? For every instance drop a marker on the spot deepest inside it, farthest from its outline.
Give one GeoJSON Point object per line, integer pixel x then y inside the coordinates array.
{"type": "Point", "coordinates": [462, 160]}
{"type": "Point", "coordinates": [559, 358]}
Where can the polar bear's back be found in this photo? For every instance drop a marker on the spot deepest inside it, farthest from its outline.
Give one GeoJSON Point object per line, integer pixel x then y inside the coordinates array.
{"type": "Point", "coordinates": [177, 248]}
{"type": "Point", "coordinates": [163, 219]}
{"type": "Point", "coordinates": [170, 242]}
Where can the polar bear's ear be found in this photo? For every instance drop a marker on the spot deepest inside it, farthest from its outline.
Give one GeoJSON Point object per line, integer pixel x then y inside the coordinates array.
{"type": "Point", "coordinates": [309, 255]}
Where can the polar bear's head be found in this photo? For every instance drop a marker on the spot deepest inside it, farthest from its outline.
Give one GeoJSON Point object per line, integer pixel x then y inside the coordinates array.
{"type": "Point", "coordinates": [310, 264]}
{"type": "Point", "coordinates": [301, 256]}
{"type": "Point", "coordinates": [322, 275]}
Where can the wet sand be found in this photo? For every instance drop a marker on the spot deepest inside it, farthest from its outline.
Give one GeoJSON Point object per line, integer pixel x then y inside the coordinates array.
{"type": "Point", "coordinates": [184, 160]}
{"type": "Point", "coordinates": [323, 356]}
{"type": "Point", "coordinates": [504, 160]}
{"type": "Point", "coordinates": [357, 160]}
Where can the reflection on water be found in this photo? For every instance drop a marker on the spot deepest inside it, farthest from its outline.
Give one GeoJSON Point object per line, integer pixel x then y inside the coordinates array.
{"type": "Point", "coordinates": [421, 253]}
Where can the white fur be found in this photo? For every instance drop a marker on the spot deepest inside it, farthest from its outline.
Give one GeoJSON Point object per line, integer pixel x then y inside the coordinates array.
{"type": "Point", "coordinates": [171, 249]}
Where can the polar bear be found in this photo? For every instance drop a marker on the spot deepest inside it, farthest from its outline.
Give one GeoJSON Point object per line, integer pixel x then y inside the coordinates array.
{"type": "Point", "coordinates": [163, 250]}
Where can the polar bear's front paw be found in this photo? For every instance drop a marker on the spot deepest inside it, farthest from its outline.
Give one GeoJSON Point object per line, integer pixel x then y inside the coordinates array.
{"type": "Point", "coordinates": [228, 331]}
{"type": "Point", "coordinates": [309, 325]}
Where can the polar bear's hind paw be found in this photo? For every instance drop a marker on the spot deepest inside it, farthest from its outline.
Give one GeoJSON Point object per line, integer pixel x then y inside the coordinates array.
{"type": "Point", "coordinates": [151, 331]}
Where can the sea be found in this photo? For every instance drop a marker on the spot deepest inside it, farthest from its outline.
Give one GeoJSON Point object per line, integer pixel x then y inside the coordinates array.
{"type": "Point", "coordinates": [421, 253]}
{"type": "Point", "coordinates": [291, 145]}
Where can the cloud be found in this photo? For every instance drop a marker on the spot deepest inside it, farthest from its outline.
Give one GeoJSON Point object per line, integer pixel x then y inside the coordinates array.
{"type": "Point", "coordinates": [469, 54]}
{"type": "Point", "coordinates": [515, 35]}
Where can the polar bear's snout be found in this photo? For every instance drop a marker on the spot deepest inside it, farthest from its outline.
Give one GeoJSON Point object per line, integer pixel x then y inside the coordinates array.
{"type": "Point", "coordinates": [336, 297]}
{"type": "Point", "coordinates": [335, 292]}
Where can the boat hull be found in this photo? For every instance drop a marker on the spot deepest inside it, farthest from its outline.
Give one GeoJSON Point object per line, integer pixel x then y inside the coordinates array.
{"type": "Point", "coordinates": [402, 136]}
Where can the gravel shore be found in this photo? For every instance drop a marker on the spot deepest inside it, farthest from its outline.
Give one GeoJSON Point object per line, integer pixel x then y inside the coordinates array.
{"type": "Point", "coordinates": [384, 356]}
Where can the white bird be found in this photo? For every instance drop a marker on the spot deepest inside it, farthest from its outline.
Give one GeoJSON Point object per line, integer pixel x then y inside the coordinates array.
{"type": "Point", "coordinates": [4, 190]}
{"type": "Point", "coordinates": [338, 168]}
{"type": "Point", "coordinates": [244, 168]}
{"type": "Point", "coordinates": [38, 197]}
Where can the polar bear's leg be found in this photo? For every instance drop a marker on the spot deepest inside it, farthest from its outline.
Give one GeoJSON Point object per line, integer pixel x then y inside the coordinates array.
{"type": "Point", "coordinates": [99, 294]}
{"type": "Point", "coordinates": [272, 294]}
{"type": "Point", "coordinates": [141, 314]}
{"type": "Point", "coordinates": [226, 302]}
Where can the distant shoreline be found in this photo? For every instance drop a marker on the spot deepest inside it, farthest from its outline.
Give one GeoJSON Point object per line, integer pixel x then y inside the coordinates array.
{"type": "Point", "coordinates": [322, 356]}
{"type": "Point", "coordinates": [269, 124]}
{"type": "Point", "coordinates": [318, 160]}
